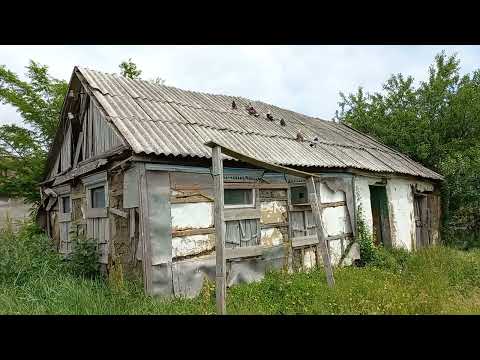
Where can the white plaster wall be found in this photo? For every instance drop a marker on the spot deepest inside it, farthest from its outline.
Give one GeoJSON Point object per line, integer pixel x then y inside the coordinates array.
{"type": "Point", "coordinates": [273, 212]}
{"type": "Point", "coordinates": [402, 217]}
{"type": "Point", "coordinates": [335, 251]}
{"type": "Point", "coordinates": [362, 194]}
{"type": "Point", "coordinates": [309, 259]}
{"type": "Point", "coordinates": [271, 237]}
{"type": "Point", "coordinates": [193, 244]}
{"type": "Point", "coordinates": [336, 220]}
{"type": "Point", "coordinates": [192, 215]}
{"type": "Point", "coordinates": [327, 195]}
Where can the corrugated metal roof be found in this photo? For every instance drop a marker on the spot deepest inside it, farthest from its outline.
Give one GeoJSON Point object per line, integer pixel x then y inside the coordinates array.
{"type": "Point", "coordinates": [163, 120]}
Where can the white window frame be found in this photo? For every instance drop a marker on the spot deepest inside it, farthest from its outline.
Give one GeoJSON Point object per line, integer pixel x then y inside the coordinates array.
{"type": "Point", "coordinates": [242, 206]}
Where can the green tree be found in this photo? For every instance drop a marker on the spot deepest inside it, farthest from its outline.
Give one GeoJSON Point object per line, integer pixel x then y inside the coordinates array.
{"type": "Point", "coordinates": [23, 149]}
{"type": "Point", "coordinates": [437, 123]}
{"type": "Point", "coordinates": [129, 69]}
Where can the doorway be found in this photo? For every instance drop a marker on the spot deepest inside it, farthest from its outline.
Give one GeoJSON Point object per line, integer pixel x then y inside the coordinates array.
{"type": "Point", "coordinates": [380, 216]}
{"type": "Point", "coordinates": [421, 221]}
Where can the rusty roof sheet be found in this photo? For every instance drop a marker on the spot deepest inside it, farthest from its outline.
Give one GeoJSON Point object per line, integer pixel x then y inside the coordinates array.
{"type": "Point", "coordinates": [164, 120]}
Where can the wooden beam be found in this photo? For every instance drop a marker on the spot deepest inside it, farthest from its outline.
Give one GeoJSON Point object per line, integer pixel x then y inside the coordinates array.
{"type": "Point", "coordinates": [118, 212]}
{"type": "Point", "coordinates": [77, 149]}
{"type": "Point", "coordinates": [220, 268]}
{"type": "Point", "coordinates": [145, 230]}
{"type": "Point", "coordinates": [241, 214]}
{"type": "Point", "coordinates": [243, 252]}
{"type": "Point", "coordinates": [309, 240]}
{"type": "Point", "coordinates": [322, 244]}
{"type": "Point", "coordinates": [259, 163]}
{"type": "Point", "coordinates": [180, 233]}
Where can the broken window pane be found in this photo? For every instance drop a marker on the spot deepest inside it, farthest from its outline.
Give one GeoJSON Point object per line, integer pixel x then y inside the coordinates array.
{"type": "Point", "coordinates": [238, 197]}
{"type": "Point", "coordinates": [299, 195]}
{"type": "Point", "coordinates": [98, 197]}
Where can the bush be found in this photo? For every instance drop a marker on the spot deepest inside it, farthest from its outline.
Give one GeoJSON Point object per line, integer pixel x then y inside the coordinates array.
{"type": "Point", "coordinates": [34, 280]}
{"type": "Point", "coordinates": [25, 254]}
{"type": "Point", "coordinates": [84, 259]}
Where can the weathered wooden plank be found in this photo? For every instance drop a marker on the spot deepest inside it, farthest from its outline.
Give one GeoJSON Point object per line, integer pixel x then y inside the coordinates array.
{"type": "Point", "coordinates": [97, 213]}
{"type": "Point", "coordinates": [180, 233]}
{"type": "Point", "coordinates": [243, 252]}
{"type": "Point", "coordinates": [322, 244]}
{"type": "Point", "coordinates": [313, 239]}
{"type": "Point", "coordinates": [64, 217]}
{"type": "Point", "coordinates": [145, 229]}
{"type": "Point", "coordinates": [219, 221]}
{"type": "Point", "coordinates": [332, 204]}
{"type": "Point", "coordinates": [118, 212]}
{"type": "Point", "coordinates": [131, 232]}
{"type": "Point", "coordinates": [81, 170]}
{"type": "Point", "coordinates": [189, 199]}
{"type": "Point", "coordinates": [273, 225]}
{"type": "Point", "coordinates": [78, 148]}
{"type": "Point", "coordinates": [259, 163]}
{"type": "Point", "coordinates": [241, 214]}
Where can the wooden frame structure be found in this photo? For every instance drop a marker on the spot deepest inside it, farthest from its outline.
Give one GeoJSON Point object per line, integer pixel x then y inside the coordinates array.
{"type": "Point", "coordinates": [219, 217]}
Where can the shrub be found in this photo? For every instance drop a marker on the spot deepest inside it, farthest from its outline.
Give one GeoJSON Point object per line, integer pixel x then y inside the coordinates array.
{"type": "Point", "coordinates": [365, 240]}
{"type": "Point", "coordinates": [84, 259]}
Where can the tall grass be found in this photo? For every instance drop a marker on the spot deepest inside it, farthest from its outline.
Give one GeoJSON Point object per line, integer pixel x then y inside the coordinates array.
{"type": "Point", "coordinates": [35, 280]}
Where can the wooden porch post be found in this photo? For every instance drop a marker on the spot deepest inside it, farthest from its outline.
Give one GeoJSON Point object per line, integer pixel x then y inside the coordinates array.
{"type": "Point", "coordinates": [220, 268]}
{"type": "Point", "coordinates": [322, 244]}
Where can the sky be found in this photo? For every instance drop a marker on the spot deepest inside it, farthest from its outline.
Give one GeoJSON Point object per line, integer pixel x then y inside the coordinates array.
{"type": "Point", "coordinates": [306, 79]}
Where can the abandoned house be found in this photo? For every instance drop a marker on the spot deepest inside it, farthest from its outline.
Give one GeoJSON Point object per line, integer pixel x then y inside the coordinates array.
{"type": "Point", "coordinates": [129, 167]}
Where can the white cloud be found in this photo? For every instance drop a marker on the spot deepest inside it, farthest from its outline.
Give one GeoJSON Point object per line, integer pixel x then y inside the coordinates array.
{"type": "Point", "coordinates": [306, 79]}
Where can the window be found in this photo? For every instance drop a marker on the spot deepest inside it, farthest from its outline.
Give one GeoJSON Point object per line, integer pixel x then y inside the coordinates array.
{"type": "Point", "coordinates": [298, 195]}
{"type": "Point", "coordinates": [98, 197]}
{"type": "Point", "coordinates": [65, 204]}
{"type": "Point", "coordinates": [239, 197]}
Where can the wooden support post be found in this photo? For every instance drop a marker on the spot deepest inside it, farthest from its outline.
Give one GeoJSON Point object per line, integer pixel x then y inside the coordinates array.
{"type": "Point", "coordinates": [220, 268]}
{"type": "Point", "coordinates": [145, 230]}
{"type": "Point", "coordinates": [322, 244]}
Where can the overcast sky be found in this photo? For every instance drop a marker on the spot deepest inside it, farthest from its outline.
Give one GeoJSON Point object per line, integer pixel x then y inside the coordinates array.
{"type": "Point", "coordinates": [306, 79]}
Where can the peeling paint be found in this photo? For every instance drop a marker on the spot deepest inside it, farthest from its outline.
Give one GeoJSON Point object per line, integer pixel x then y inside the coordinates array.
{"type": "Point", "coordinates": [327, 195]}
{"type": "Point", "coordinates": [335, 251]}
{"type": "Point", "coordinates": [192, 215]}
{"type": "Point", "coordinates": [336, 220]}
{"type": "Point", "coordinates": [362, 193]}
{"type": "Point", "coordinates": [309, 259]}
{"type": "Point", "coordinates": [193, 244]}
{"type": "Point", "coordinates": [400, 201]}
{"type": "Point", "coordinates": [271, 237]}
{"type": "Point", "coordinates": [273, 212]}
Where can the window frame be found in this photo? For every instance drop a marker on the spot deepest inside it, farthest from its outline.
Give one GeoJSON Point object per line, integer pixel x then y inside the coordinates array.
{"type": "Point", "coordinates": [252, 205]}
{"type": "Point", "coordinates": [61, 204]}
{"type": "Point", "coordinates": [62, 192]}
{"type": "Point", "coordinates": [93, 182]}
{"type": "Point", "coordinates": [307, 202]}
{"type": "Point", "coordinates": [91, 190]}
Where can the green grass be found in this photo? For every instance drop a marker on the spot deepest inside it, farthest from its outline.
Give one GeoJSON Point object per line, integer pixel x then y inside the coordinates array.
{"type": "Point", "coordinates": [441, 280]}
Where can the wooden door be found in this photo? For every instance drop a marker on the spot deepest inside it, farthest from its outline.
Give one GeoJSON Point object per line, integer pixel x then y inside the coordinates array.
{"type": "Point", "coordinates": [380, 215]}
{"type": "Point", "coordinates": [422, 223]}
{"type": "Point", "coordinates": [64, 221]}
